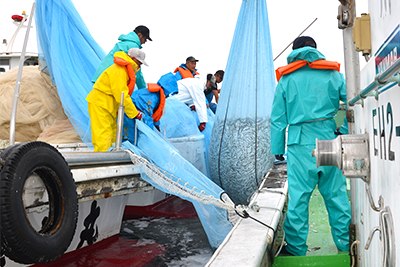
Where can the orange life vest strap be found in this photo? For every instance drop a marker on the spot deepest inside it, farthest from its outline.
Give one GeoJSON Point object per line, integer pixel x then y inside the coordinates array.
{"type": "Point", "coordinates": [289, 68]}
{"type": "Point", "coordinates": [153, 87]}
{"type": "Point", "coordinates": [185, 73]}
{"type": "Point", "coordinates": [130, 72]}
{"type": "Point", "coordinates": [318, 64]}
{"type": "Point", "coordinates": [325, 64]}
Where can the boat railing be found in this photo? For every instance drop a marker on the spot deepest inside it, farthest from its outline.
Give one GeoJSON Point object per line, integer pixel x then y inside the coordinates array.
{"type": "Point", "coordinates": [97, 158]}
{"type": "Point", "coordinates": [18, 83]}
{"type": "Point", "coordinates": [380, 80]}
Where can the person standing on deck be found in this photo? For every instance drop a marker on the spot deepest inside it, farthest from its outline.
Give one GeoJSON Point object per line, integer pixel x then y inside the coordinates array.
{"type": "Point", "coordinates": [134, 39]}
{"type": "Point", "coordinates": [105, 97]}
{"type": "Point", "coordinates": [306, 99]}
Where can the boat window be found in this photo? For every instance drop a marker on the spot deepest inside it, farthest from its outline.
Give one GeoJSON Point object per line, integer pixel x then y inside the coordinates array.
{"type": "Point", "coordinates": [4, 62]}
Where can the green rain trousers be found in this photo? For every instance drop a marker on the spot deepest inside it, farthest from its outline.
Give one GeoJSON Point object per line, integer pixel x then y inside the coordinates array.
{"type": "Point", "coordinates": [303, 177]}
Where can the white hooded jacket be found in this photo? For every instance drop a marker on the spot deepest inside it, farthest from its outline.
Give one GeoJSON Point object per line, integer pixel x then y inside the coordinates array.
{"type": "Point", "coordinates": [191, 92]}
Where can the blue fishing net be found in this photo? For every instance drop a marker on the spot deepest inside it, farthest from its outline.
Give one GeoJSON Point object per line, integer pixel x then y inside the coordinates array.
{"type": "Point", "coordinates": [71, 56]}
{"type": "Point", "coordinates": [177, 120]}
{"type": "Point", "coordinates": [158, 151]}
{"type": "Point", "coordinates": [180, 121]}
{"type": "Point", "coordinates": [239, 153]}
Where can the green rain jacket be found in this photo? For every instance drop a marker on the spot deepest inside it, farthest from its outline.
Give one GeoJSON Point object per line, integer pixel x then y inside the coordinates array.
{"type": "Point", "coordinates": [127, 41]}
{"type": "Point", "coordinates": [306, 100]}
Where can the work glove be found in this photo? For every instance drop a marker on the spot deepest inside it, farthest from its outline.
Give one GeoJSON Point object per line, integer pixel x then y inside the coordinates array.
{"type": "Point", "coordinates": [192, 108]}
{"type": "Point", "coordinates": [139, 115]}
{"type": "Point", "coordinates": [279, 157]}
{"type": "Point", "coordinates": [202, 126]}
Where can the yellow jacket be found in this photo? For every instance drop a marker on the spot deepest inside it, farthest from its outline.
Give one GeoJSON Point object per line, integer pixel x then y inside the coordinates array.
{"type": "Point", "coordinates": [112, 82]}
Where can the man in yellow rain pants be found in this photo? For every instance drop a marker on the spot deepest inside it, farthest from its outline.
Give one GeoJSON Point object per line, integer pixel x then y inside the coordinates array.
{"type": "Point", "coordinates": [105, 97]}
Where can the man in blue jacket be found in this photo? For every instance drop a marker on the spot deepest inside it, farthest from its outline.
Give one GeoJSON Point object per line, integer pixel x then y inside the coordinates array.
{"type": "Point", "coordinates": [134, 39]}
{"type": "Point", "coordinates": [306, 99]}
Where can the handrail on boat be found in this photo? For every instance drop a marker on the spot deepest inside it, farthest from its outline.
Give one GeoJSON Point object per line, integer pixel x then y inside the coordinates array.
{"type": "Point", "coordinates": [18, 82]}
{"type": "Point", "coordinates": [94, 158]}
{"type": "Point", "coordinates": [380, 79]}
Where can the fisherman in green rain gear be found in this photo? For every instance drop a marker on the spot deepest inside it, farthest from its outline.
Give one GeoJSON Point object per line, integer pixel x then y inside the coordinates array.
{"type": "Point", "coordinates": [307, 99]}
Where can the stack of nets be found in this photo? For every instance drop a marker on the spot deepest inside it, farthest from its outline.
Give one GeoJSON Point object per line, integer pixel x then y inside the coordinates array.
{"type": "Point", "coordinates": [40, 115]}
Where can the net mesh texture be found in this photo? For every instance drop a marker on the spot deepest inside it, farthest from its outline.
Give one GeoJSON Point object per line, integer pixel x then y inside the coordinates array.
{"type": "Point", "coordinates": [239, 155]}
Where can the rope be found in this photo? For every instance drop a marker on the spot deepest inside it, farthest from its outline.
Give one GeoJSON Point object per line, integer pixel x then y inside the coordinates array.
{"type": "Point", "coordinates": [246, 215]}
{"type": "Point", "coordinates": [282, 244]}
{"type": "Point", "coordinates": [136, 133]}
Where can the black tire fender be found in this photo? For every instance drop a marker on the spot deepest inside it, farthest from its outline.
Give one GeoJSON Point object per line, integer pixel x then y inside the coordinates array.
{"type": "Point", "coordinates": [4, 154]}
{"type": "Point", "coordinates": [20, 241]}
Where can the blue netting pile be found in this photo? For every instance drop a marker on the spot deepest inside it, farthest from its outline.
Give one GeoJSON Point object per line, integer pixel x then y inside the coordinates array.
{"type": "Point", "coordinates": [240, 154]}
{"type": "Point", "coordinates": [71, 56]}
{"type": "Point", "coordinates": [180, 121]}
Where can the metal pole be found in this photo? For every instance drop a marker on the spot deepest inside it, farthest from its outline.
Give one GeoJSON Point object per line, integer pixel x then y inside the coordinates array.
{"type": "Point", "coordinates": [18, 82]}
{"type": "Point", "coordinates": [295, 39]}
{"type": "Point", "coordinates": [120, 123]}
{"type": "Point", "coordinates": [96, 158]}
{"type": "Point", "coordinates": [352, 69]}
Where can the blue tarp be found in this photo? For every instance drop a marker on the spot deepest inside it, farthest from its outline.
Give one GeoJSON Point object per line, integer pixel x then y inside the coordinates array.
{"type": "Point", "coordinates": [239, 153]}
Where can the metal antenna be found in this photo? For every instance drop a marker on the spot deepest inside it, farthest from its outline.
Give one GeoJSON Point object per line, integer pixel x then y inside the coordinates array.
{"type": "Point", "coordinates": [295, 39]}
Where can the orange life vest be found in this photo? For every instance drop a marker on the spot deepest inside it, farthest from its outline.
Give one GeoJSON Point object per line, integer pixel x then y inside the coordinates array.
{"type": "Point", "coordinates": [153, 87]}
{"type": "Point", "coordinates": [185, 73]}
{"type": "Point", "coordinates": [129, 70]}
{"type": "Point", "coordinates": [318, 64]}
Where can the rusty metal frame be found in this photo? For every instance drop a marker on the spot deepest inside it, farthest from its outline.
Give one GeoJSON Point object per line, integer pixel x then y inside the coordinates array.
{"type": "Point", "coordinates": [346, 14]}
